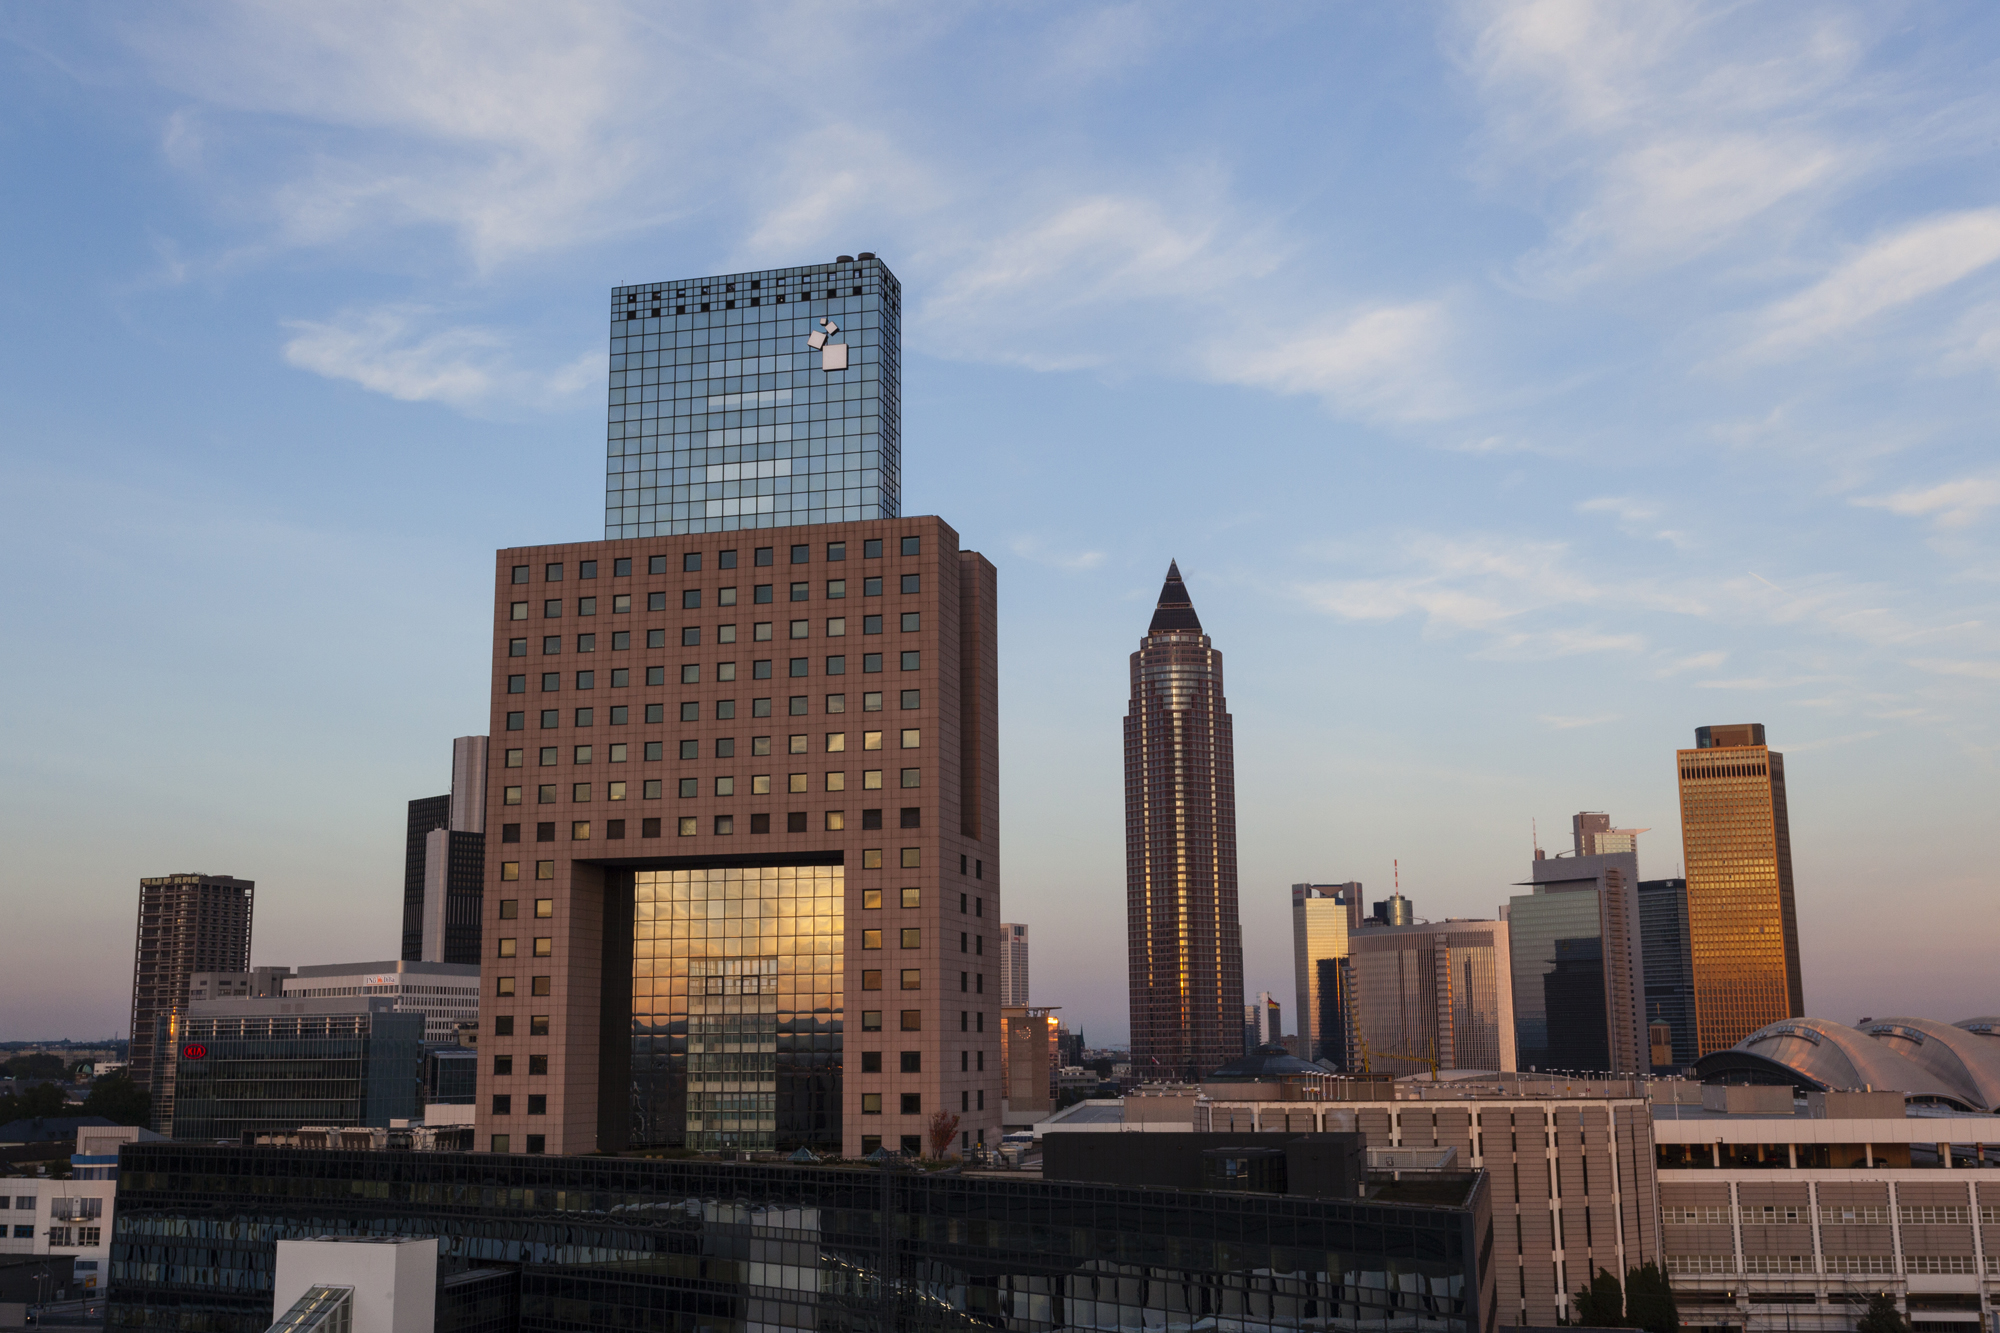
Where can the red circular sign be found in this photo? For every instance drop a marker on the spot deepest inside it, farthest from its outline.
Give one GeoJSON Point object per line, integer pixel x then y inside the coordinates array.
{"type": "Point", "coordinates": [194, 1051]}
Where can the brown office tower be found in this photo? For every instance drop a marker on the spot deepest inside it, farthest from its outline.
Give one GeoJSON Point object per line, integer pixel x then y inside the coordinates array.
{"type": "Point", "coordinates": [187, 924]}
{"type": "Point", "coordinates": [1743, 931]}
{"type": "Point", "coordinates": [743, 885]}
{"type": "Point", "coordinates": [1185, 946]}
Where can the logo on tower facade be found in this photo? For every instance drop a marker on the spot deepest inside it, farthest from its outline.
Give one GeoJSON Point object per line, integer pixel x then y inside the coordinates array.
{"type": "Point", "coordinates": [832, 355]}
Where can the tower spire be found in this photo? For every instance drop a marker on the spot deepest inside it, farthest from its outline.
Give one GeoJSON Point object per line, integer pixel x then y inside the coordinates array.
{"type": "Point", "coordinates": [1174, 613]}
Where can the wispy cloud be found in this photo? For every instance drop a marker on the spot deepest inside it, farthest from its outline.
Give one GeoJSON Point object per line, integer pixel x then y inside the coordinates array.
{"type": "Point", "coordinates": [1899, 268]}
{"type": "Point", "coordinates": [1941, 666]}
{"type": "Point", "coordinates": [1572, 723]}
{"type": "Point", "coordinates": [1950, 504]}
{"type": "Point", "coordinates": [401, 351]}
{"type": "Point", "coordinates": [1042, 552]}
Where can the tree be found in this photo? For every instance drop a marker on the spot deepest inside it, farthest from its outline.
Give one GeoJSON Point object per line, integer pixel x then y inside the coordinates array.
{"type": "Point", "coordinates": [39, 1065]}
{"type": "Point", "coordinates": [1649, 1300]}
{"type": "Point", "coordinates": [39, 1102]}
{"type": "Point", "coordinates": [1601, 1304]}
{"type": "Point", "coordinates": [118, 1099]}
{"type": "Point", "coordinates": [943, 1125]}
{"type": "Point", "coordinates": [1882, 1316]}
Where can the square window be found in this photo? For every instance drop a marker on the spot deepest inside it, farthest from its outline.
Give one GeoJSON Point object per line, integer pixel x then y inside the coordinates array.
{"type": "Point", "coordinates": [516, 721]}
{"type": "Point", "coordinates": [510, 796]}
{"type": "Point", "coordinates": [801, 629]}
{"type": "Point", "coordinates": [871, 1020]}
{"type": "Point", "coordinates": [725, 786]}
{"type": "Point", "coordinates": [586, 643]}
{"type": "Point", "coordinates": [510, 833]}
{"type": "Point", "coordinates": [725, 709]}
{"type": "Point", "coordinates": [836, 666]}
{"type": "Point", "coordinates": [913, 661]}
{"type": "Point", "coordinates": [913, 816]}
{"type": "Point", "coordinates": [836, 741]}
{"type": "Point", "coordinates": [545, 794]}
{"type": "Point", "coordinates": [836, 782]}
{"type": "Point", "coordinates": [584, 716]}
{"type": "Point", "coordinates": [622, 567]}
{"type": "Point", "coordinates": [580, 791]}
{"type": "Point", "coordinates": [614, 791]}
{"type": "Point", "coordinates": [871, 740]}
{"type": "Point", "coordinates": [913, 858]}
{"type": "Point", "coordinates": [691, 636]}
{"type": "Point", "coordinates": [545, 908]}
{"type": "Point", "coordinates": [871, 587]}
{"type": "Point", "coordinates": [911, 622]}
{"type": "Point", "coordinates": [760, 823]}
{"type": "Point", "coordinates": [801, 554]}
{"type": "Point", "coordinates": [912, 777]}
{"type": "Point", "coordinates": [551, 680]}
{"type": "Point", "coordinates": [800, 666]}
{"type": "Point", "coordinates": [795, 782]}
{"type": "Point", "coordinates": [545, 946]}
{"type": "Point", "coordinates": [649, 828]}
{"type": "Point", "coordinates": [656, 638]}
{"type": "Point", "coordinates": [761, 631]}
{"type": "Point", "coordinates": [690, 599]}
{"type": "Point", "coordinates": [912, 738]}
{"type": "Point", "coordinates": [762, 744]}
{"type": "Point", "coordinates": [913, 1103]}
{"type": "Point", "coordinates": [656, 675]}
{"type": "Point", "coordinates": [913, 698]}
{"type": "Point", "coordinates": [538, 985]}
{"type": "Point", "coordinates": [801, 592]}
{"type": "Point", "coordinates": [836, 627]}
{"type": "Point", "coordinates": [503, 1025]}
{"type": "Point", "coordinates": [761, 593]}
{"type": "Point", "coordinates": [836, 820]}
{"type": "Point", "coordinates": [836, 703]}
{"type": "Point", "coordinates": [690, 788]}
{"type": "Point", "coordinates": [579, 831]}
{"type": "Point", "coordinates": [871, 858]}
{"type": "Point", "coordinates": [586, 606]}
{"type": "Point", "coordinates": [913, 979]}
{"type": "Point", "coordinates": [520, 573]}
{"type": "Point", "coordinates": [912, 1062]}
{"type": "Point", "coordinates": [621, 605]}
{"type": "Point", "coordinates": [656, 601]}
{"type": "Point", "coordinates": [507, 948]}
{"type": "Point", "coordinates": [761, 669]}
{"type": "Point", "coordinates": [538, 1103]}
{"type": "Point", "coordinates": [871, 702]}
{"type": "Point", "coordinates": [620, 713]}
{"type": "Point", "coordinates": [691, 673]}
{"type": "Point", "coordinates": [503, 1104]}
{"type": "Point", "coordinates": [871, 939]}
{"type": "Point", "coordinates": [871, 899]}
{"type": "Point", "coordinates": [510, 909]}
{"type": "Point", "coordinates": [618, 750]}
{"type": "Point", "coordinates": [725, 559]}
{"type": "Point", "coordinates": [552, 573]}
{"type": "Point", "coordinates": [913, 937]}
{"type": "Point", "coordinates": [871, 624]}
{"type": "Point", "coordinates": [545, 869]}
{"type": "Point", "coordinates": [913, 897]}
{"type": "Point", "coordinates": [510, 870]}
{"type": "Point", "coordinates": [871, 549]}
{"type": "Point", "coordinates": [871, 979]}
{"type": "Point", "coordinates": [725, 825]}
{"type": "Point", "coordinates": [517, 684]}
{"type": "Point", "coordinates": [503, 985]}
{"type": "Point", "coordinates": [871, 662]}
{"type": "Point", "coordinates": [913, 1020]}
{"type": "Point", "coordinates": [725, 634]}
{"type": "Point", "coordinates": [546, 830]}
{"type": "Point", "coordinates": [836, 588]}
{"type": "Point", "coordinates": [586, 569]}
{"type": "Point", "coordinates": [725, 746]}
{"type": "Point", "coordinates": [725, 671]}
{"type": "Point", "coordinates": [913, 545]}
{"type": "Point", "coordinates": [656, 564]}
{"type": "Point", "coordinates": [798, 705]}
{"type": "Point", "coordinates": [871, 1102]}
{"type": "Point", "coordinates": [687, 827]}
{"type": "Point", "coordinates": [763, 555]}
{"type": "Point", "coordinates": [871, 1062]}
{"type": "Point", "coordinates": [912, 583]}
{"type": "Point", "coordinates": [871, 819]}
{"type": "Point", "coordinates": [760, 784]}
{"type": "Point", "coordinates": [691, 562]}
{"type": "Point", "coordinates": [795, 821]}
{"type": "Point", "coordinates": [690, 711]}
{"type": "Point", "coordinates": [518, 611]}
{"type": "Point", "coordinates": [797, 745]}
{"type": "Point", "coordinates": [517, 647]}
{"type": "Point", "coordinates": [836, 550]}
{"type": "Point", "coordinates": [551, 717]}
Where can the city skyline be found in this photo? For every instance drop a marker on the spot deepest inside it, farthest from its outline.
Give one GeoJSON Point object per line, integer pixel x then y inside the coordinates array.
{"type": "Point", "coordinates": [1508, 459]}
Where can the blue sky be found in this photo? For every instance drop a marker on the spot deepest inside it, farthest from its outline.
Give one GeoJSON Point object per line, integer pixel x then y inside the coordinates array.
{"type": "Point", "coordinates": [1519, 387]}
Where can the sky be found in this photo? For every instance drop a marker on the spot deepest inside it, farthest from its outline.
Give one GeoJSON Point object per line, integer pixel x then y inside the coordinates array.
{"type": "Point", "coordinates": [1519, 386]}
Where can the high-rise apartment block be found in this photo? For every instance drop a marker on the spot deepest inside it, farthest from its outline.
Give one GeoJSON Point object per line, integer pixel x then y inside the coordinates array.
{"type": "Point", "coordinates": [1433, 996]}
{"type": "Point", "coordinates": [743, 887]}
{"type": "Point", "coordinates": [1185, 945]}
{"type": "Point", "coordinates": [1013, 963]}
{"type": "Point", "coordinates": [765, 399]}
{"type": "Point", "coordinates": [1743, 930]}
{"type": "Point", "coordinates": [1579, 1001]}
{"type": "Point", "coordinates": [444, 863]}
{"type": "Point", "coordinates": [1663, 940]}
{"type": "Point", "coordinates": [1595, 836]}
{"type": "Point", "coordinates": [187, 924]}
{"type": "Point", "coordinates": [1324, 918]}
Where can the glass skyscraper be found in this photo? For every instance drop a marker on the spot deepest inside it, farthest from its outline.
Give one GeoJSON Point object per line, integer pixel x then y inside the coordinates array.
{"type": "Point", "coordinates": [755, 400]}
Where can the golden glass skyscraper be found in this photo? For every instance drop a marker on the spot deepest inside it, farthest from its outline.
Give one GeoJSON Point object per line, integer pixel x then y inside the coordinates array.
{"type": "Point", "coordinates": [1743, 930]}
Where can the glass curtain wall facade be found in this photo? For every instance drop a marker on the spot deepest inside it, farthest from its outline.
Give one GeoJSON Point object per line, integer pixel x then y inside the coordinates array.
{"type": "Point", "coordinates": [1323, 917]}
{"type": "Point", "coordinates": [610, 1243]}
{"type": "Point", "coordinates": [755, 400]}
{"type": "Point", "coordinates": [1558, 956]}
{"type": "Point", "coordinates": [270, 1075]}
{"type": "Point", "coordinates": [1185, 958]}
{"type": "Point", "coordinates": [737, 1007]}
{"type": "Point", "coordinates": [1663, 934]}
{"type": "Point", "coordinates": [1425, 997]}
{"type": "Point", "coordinates": [1743, 932]}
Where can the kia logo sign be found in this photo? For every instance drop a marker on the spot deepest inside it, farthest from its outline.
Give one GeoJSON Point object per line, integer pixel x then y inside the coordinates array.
{"type": "Point", "coordinates": [194, 1051]}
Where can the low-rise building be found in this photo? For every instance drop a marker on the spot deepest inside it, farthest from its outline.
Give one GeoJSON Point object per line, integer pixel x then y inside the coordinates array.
{"type": "Point", "coordinates": [47, 1215]}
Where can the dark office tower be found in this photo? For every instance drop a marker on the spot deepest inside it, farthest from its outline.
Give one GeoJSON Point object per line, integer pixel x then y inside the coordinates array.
{"type": "Point", "coordinates": [1185, 946]}
{"type": "Point", "coordinates": [755, 400]}
{"type": "Point", "coordinates": [1663, 937]}
{"type": "Point", "coordinates": [1743, 931]}
{"type": "Point", "coordinates": [444, 865]}
{"type": "Point", "coordinates": [187, 924]}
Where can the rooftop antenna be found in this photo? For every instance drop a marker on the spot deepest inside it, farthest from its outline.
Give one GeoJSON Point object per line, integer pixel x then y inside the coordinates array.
{"type": "Point", "coordinates": [1535, 837]}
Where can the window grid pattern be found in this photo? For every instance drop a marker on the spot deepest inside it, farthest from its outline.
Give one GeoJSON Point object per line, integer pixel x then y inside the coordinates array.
{"type": "Point", "coordinates": [736, 1007]}
{"type": "Point", "coordinates": [725, 418]}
